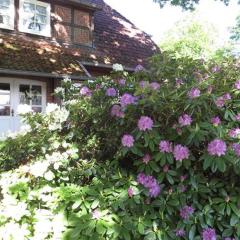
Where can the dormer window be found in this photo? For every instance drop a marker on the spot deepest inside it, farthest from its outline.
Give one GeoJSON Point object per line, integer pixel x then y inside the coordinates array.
{"type": "Point", "coordinates": [34, 17]}
{"type": "Point", "coordinates": [7, 14]}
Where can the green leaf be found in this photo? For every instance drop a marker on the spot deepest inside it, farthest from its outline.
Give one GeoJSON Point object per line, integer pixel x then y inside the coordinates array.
{"type": "Point", "coordinates": [100, 228]}
{"type": "Point", "coordinates": [234, 220]}
{"type": "Point", "coordinates": [192, 232]}
{"type": "Point", "coordinates": [140, 228]}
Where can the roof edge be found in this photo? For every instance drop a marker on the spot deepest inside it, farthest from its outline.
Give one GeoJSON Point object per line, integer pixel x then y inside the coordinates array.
{"type": "Point", "coordinates": [41, 74]}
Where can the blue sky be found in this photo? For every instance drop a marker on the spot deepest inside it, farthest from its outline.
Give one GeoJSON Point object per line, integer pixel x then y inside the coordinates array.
{"type": "Point", "coordinates": [155, 21]}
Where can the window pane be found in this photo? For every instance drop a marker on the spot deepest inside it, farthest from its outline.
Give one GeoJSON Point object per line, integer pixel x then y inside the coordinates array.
{"type": "Point", "coordinates": [36, 89]}
{"type": "Point", "coordinates": [37, 100]}
{"type": "Point", "coordinates": [5, 3]}
{"type": "Point", "coordinates": [29, 7]}
{"type": "Point", "coordinates": [24, 99]}
{"type": "Point", "coordinates": [24, 89]}
{"type": "Point", "coordinates": [4, 99]}
{"type": "Point", "coordinates": [41, 19]}
{"type": "Point", "coordinates": [4, 111]}
{"type": "Point", "coordinates": [37, 109]}
{"type": "Point", "coordinates": [4, 88]}
{"type": "Point", "coordinates": [41, 10]}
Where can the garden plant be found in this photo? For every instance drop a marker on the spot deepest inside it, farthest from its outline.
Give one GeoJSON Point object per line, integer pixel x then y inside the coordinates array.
{"type": "Point", "coordinates": [142, 156]}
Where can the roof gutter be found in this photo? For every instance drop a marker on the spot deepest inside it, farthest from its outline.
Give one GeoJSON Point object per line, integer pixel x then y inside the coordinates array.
{"type": "Point", "coordinates": [41, 74]}
{"type": "Point", "coordinates": [107, 66]}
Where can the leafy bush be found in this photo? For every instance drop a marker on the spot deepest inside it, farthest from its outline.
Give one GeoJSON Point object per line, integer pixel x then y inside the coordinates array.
{"type": "Point", "coordinates": [130, 158]}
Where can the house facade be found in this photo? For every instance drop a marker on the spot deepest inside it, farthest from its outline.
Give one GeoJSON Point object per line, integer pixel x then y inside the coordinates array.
{"type": "Point", "coordinates": [42, 41]}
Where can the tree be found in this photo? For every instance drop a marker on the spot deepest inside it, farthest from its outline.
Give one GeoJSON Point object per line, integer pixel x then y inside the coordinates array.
{"type": "Point", "coordinates": [191, 38]}
{"type": "Point", "coordinates": [185, 4]}
{"type": "Point", "coordinates": [235, 32]}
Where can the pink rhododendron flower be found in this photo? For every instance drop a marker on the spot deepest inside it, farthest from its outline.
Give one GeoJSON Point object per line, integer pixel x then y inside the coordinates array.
{"type": "Point", "coordinates": [186, 211]}
{"type": "Point", "coordinates": [130, 192]}
{"type": "Point", "coordinates": [236, 148]}
{"type": "Point", "coordinates": [185, 120]}
{"type": "Point", "coordinates": [145, 123]}
{"type": "Point", "coordinates": [227, 96]}
{"type": "Point", "coordinates": [150, 183]}
{"type": "Point", "coordinates": [215, 69]}
{"type": "Point", "coordinates": [180, 152]}
{"type": "Point", "coordinates": [179, 82]}
{"type": "Point", "coordinates": [216, 121]}
{"type": "Point", "coordinates": [209, 234]}
{"type": "Point", "coordinates": [180, 232]}
{"type": "Point", "coordinates": [234, 133]}
{"type": "Point", "coordinates": [143, 84]}
{"type": "Point", "coordinates": [183, 178]}
{"type": "Point", "coordinates": [220, 102]}
{"type": "Point", "coordinates": [237, 117]}
{"type": "Point", "coordinates": [237, 84]}
{"type": "Point", "coordinates": [85, 91]}
{"type": "Point", "coordinates": [127, 99]}
{"type": "Point", "coordinates": [217, 147]}
{"type": "Point", "coordinates": [111, 92]}
{"type": "Point", "coordinates": [122, 82]}
{"type": "Point", "coordinates": [127, 140]}
{"type": "Point", "coordinates": [154, 86]}
{"type": "Point", "coordinates": [96, 214]}
{"type": "Point", "coordinates": [147, 157]}
{"type": "Point", "coordinates": [165, 146]}
{"type": "Point", "coordinates": [139, 68]}
{"type": "Point", "coordinates": [194, 93]}
{"type": "Point", "coordinates": [116, 111]}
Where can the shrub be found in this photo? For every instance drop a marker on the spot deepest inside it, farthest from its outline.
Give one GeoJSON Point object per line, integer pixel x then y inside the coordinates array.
{"type": "Point", "coordinates": [131, 159]}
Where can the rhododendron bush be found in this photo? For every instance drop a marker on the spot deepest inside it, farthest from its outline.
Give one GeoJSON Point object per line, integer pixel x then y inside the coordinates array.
{"type": "Point", "coordinates": [129, 157]}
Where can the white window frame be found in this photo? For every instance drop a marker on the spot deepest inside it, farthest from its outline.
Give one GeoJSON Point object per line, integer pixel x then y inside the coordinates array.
{"type": "Point", "coordinates": [22, 28]}
{"type": "Point", "coordinates": [11, 13]}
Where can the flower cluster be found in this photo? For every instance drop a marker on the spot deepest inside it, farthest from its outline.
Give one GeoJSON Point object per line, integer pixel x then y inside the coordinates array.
{"type": "Point", "coordinates": [217, 147]}
{"type": "Point", "coordinates": [150, 183]}
{"type": "Point", "coordinates": [145, 123]}
{"type": "Point", "coordinates": [185, 120]}
{"type": "Point", "coordinates": [180, 152]}
{"type": "Point", "coordinates": [237, 84]}
{"type": "Point", "coordinates": [146, 158]}
{"type": "Point", "coordinates": [186, 212]}
{"type": "Point", "coordinates": [220, 101]}
{"type": "Point", "coordinates": [234, 133]}
{"type": "Point", "coordinates": [139, 68]}
{"type": "Point", "coordinates": [165, 146]}
{"type": "Point", "coordinates": [216, 121]}
{"type": "Point", "coordinates": [116, 111]}
{"type": "Point", "coordinates": [209, 234]}
{"type": "Point", "coordinates": [180, 232]}
{"type": "Point", "coordinates": [111, 92]}
{"type": "Point", "coordinates": [154, 86]}
{"type": "Point", "coordinates": [194, 93]}
{"type": "Point", "coordinates": [127, 99]}
{"type": "Point", "coordinates": [127, 140]}
{"type": "Point", "coordinates": [85, 91]}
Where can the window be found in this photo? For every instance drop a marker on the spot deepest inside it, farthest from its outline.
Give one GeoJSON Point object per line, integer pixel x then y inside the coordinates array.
{"type": "Point", "coordinates": [7, 14]}
{"type": "Point", "coordinates": [34, 17]}
{"type": "Point", "coordinates": [73, 25]}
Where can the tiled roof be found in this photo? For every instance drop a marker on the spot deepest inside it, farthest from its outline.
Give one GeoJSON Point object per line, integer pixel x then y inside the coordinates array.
{"type": "Point", "coordinates": [21, 53]}
{"type": "Point", "coordinates": [117, 40]}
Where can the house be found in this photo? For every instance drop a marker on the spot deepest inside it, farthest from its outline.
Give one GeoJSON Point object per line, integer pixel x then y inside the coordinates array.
{"type": "Point", "coordinates": [41, 41]}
